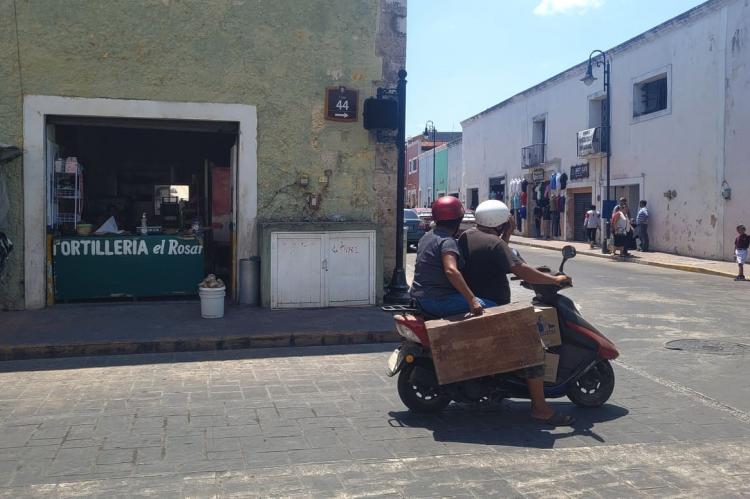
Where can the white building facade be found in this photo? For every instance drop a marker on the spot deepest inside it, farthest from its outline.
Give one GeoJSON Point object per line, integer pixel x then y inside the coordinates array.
{"type": "Point", "coordinates": [680, 122]}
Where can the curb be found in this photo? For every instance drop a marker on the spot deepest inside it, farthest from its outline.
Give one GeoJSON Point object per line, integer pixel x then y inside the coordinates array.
{"type": "Point", "coordinates": [673, 266]}
{"type": "Point", "coordinates": [26, 352]}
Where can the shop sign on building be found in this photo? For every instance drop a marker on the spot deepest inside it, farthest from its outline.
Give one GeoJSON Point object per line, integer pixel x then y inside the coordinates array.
{"type": "Point", "coordinates": [87, 268]}
{"type": "Point", "coordinates": [537, 175]}
{"type": "Point", "coordinates": [586, 142]}
{"type": "Point", "coordinates": [341, 104]}
{"type": "Point", "coordinates": [579, 172]}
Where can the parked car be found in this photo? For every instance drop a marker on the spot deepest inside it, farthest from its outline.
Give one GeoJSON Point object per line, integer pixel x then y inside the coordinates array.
{"type": "Point", "coordinates": [416, 227]}
{"type": "Point", "coordinates": [425, 214]}
{"type": "Point", "coordinates": [468, 222]}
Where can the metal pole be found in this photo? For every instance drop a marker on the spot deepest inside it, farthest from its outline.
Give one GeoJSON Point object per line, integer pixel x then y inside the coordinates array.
{"type": "Point", "coordinates": [434, 165]}
{"type": "Point", "coordinates": [398, 289]}
{"type": "Point", "coordinates": [608, 102]}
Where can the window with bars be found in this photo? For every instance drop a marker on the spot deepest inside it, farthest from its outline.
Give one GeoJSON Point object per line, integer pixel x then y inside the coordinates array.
{"type": "Point", "coordinates": [650, 96]}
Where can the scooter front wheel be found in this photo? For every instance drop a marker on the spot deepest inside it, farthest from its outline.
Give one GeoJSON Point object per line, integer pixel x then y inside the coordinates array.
{"type": "Point", "coordinates": [419, 390]}
{"type": "Point", "coordinates": [595, 387]}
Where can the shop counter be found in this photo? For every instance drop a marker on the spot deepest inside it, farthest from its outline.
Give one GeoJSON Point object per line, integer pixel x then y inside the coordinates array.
{"type": "Point", "coordinates": [115, 266]}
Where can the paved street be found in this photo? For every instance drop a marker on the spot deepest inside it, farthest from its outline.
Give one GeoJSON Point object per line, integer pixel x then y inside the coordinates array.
{"type": "Point", "coordinates": [327, 422]}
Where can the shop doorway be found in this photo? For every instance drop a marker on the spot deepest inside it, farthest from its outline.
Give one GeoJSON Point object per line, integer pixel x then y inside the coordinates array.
{"type": "Point", "coordinates": [472, 198]}
{"type": "Point", "coordinates": [581, 204]}
{"type": "Point", "coordinates": [632, 193]}
{"type": "Point", "coordinates": [497, 188]}
{"type": "Point", "coordinates": [154, 199]}
{"type": "Point", "coordinates": [36, 110]}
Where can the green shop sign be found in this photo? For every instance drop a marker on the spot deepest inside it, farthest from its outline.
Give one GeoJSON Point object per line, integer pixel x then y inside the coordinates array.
{"type": "Point", "coordinates": [126, 266]}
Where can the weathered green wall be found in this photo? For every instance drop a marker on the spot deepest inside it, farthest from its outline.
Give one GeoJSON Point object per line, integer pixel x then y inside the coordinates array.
{"type": "Point", "coordinates": [278, 55]}
{"type": "Point", "coordinates": [11, 280]}
{"type": "Point", "coordinates": [441, 170]}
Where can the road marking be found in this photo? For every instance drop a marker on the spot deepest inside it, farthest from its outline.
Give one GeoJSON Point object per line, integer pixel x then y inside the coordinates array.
{"type": "Point", "coordinates": [738, 414]}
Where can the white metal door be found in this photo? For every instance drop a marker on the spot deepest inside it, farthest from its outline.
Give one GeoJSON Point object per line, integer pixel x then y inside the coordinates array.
{"type": "Point", "coordinates": [317, 269]}
{"type": "Point", "coordinates": [350, 268]}
{"type": "Point", "coordinates": [297, 275]}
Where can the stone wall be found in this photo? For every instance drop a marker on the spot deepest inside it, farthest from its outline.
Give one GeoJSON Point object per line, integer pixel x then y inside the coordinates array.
{"type": "Point", "coordinates": [276, 55]}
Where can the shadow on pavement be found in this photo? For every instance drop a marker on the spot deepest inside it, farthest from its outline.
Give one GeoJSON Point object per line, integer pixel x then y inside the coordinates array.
{"type": "Point", "coordinates": [138, 359]}
{"type": "Point", "coordinates": [508, 424]}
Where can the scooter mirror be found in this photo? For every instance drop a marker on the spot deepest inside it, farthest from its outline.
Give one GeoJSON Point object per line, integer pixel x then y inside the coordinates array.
{"type": "Point", "coordinates": [568, 252]}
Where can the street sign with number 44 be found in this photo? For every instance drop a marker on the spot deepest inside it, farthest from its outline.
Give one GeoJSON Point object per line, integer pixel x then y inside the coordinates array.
{"type": "Point", "coordinates": [341, 104]}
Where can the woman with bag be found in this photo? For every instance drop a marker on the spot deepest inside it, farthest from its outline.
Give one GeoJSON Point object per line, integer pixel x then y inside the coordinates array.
{"type": "Point", "coordinates": [620, 227]}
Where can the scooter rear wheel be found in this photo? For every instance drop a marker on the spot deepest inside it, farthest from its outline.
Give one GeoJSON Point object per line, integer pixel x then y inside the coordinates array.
{"type": "Point", "coordinates": [419, 390]}
{"type": "Point", "coordinates": [595, 387]}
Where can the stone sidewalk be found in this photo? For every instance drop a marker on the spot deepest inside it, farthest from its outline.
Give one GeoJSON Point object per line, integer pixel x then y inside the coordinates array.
{"type": "Point", "coordinates": [655, 258]}
{"type": "Point", "coordinates": [153, 327]}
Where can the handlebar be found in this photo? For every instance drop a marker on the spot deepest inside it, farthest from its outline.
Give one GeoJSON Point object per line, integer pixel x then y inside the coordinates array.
{"type": "Point", "coordinates": [546, 288]}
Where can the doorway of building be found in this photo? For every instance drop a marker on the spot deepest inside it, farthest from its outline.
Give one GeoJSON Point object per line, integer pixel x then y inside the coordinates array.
{"type": "Point", "coordinates": [581, 204]}
{"type": "Point", "coordinates": [630, 192]}
{"type": "Point", "coordinates": [497, 188]}
{"type": "Point", "coordinates": [154, 200]}
{"type": "Point", "coordinates": [472, 198]}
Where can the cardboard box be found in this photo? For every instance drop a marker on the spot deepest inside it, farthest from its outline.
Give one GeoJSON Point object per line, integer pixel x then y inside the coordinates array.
{"type": "Point", "coordinates": [500, 340]}
{"type": "Point", "coordinates": [551, 361]}
{"type": "Point", "coordinates": [548, 326]}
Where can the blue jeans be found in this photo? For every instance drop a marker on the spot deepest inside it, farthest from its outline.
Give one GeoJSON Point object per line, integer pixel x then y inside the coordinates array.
{"type": "Point", "coordinates": [449, 305]}
{"type": "Point", "coordinates": [643, 236]}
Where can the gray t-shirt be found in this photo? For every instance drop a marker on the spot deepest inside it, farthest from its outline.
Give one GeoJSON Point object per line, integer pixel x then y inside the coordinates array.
{"type": "Point", "coordinates": [429, 276]}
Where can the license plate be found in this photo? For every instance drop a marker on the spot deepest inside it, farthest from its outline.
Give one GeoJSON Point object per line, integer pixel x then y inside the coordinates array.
{"type": "Point", "coordinates": [394, 361]}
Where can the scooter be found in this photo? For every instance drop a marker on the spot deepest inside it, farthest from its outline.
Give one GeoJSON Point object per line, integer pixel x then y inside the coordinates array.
{"type": "Point", "coordinates": [584, 373]}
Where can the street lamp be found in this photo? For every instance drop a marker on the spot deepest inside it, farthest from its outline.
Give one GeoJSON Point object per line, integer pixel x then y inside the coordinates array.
{"type": "Point", "coordinates": [599, 58]}
{"type": "Point", "coordinates": [429, 130]}
{"type": "Point", "coordinates": [398, 290]}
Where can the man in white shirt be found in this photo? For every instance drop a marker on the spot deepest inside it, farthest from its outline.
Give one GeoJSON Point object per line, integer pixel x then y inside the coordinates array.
{"type": "Point", "coordinates": [591, 223]}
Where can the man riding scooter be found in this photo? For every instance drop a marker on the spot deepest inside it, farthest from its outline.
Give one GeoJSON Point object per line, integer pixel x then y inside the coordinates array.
{"type": "Point", "coordinates": [488, 260]}
{"type": "Point", "coordinates": [438, 286]}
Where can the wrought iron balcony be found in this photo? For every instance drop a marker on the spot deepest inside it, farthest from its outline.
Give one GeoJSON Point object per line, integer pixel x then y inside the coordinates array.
{"type": "Point", "coordinates": [593, 142]}
{"type": "Point", "coordinates": [534, 155]}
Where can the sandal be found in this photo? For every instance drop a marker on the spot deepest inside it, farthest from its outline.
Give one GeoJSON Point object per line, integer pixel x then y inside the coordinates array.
{"type": "Point", "coordinates": [556, 419]}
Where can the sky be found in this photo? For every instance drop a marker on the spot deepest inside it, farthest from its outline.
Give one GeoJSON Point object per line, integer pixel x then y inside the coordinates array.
{"type": "Point", "coordinates": [463, 56]}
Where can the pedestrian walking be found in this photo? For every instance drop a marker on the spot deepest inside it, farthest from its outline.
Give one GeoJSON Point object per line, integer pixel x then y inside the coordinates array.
{"type": "Point", "coordinates": [641, 227]}
{"type": "Point", "coordinates": [620, 226]}
{"type": "Point", "coordinates": [591, 223]}
{"type": "Point", "coordinates": [741, 243]}
{"type": "Point", "coordinates": [538, 220]}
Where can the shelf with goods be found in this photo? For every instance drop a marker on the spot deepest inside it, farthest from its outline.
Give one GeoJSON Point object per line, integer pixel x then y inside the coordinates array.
{"type": "Point", "coordinates": [68, 192]}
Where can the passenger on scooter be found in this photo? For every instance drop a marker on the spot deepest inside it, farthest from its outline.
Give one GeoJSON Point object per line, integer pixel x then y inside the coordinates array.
{"type": "Point", "coordinates": [438, 286]}
{"type": "Point", "coordinates": [488, 260]}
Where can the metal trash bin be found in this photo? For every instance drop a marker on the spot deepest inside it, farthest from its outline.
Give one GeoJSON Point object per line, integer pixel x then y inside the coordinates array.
{"type": "Point", "coordinates": [249, 280]}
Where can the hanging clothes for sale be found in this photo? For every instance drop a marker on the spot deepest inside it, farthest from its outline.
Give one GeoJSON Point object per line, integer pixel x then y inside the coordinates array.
{"type": "Point", "coordinates": [563, 180]}
{"type": "Point", "coordinates": [524, 185]}
{"type": "Point", "coordinates": [524, 198]}
{"type": "Point", "coordinates": [552, 182]}
{"type": "Point", "coordinates": [547, 191]}
{"type": "Point", "coordinates": [561, 203]}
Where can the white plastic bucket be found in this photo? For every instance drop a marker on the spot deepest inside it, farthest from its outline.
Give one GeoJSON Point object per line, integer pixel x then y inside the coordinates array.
{"type": "Point", "coordinates": [212, 302]}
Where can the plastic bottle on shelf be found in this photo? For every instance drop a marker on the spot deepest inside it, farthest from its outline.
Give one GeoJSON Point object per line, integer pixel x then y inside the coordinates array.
{"type": "Point", "coordinates": [144, 224]}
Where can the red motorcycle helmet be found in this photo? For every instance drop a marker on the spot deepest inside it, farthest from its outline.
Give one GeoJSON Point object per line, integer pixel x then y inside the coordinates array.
{"type": "Point", "coordinates": [447, 208]}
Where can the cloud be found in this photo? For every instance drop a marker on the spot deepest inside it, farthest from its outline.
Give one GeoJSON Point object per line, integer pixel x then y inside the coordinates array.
{"type": "Point", "coordinates": [552, 7]}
